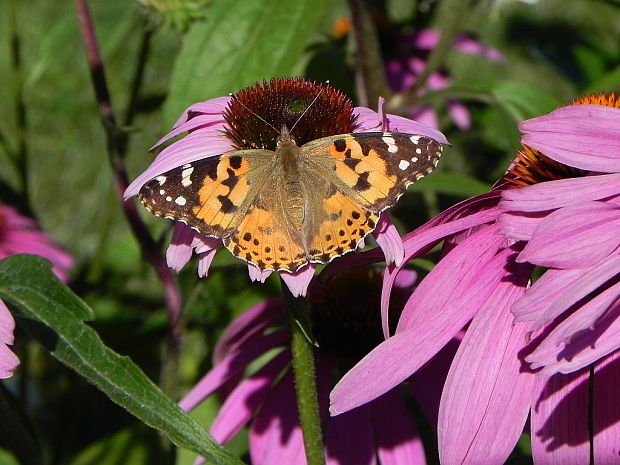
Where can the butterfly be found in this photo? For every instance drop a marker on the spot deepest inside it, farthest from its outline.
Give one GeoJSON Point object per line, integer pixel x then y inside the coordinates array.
{"type": "Point", "coordinates": [282, 209]}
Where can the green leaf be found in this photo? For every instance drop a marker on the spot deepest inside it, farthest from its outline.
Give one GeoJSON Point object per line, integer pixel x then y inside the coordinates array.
{"type": "Point", "coordinates": [240, 42]}
{"type": "Point", "coordinates": [451, 184]}
{"type": "Point", "coordinates": [16, 432]}
{"type": "Point", "coordinates": [53, 314]}
{"type": "Point", "coordinates": [522, 101]}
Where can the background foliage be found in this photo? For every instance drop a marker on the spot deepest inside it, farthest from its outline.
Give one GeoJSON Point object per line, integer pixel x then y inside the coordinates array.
{"type": "Point", "coordinates": [554, 51]}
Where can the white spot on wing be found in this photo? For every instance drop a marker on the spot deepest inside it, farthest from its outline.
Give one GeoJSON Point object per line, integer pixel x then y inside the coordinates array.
{"type": "Point", "coordinates": [180, 201]}
{"type": "Point", "coordinates": [169, 199]}
{"type": "Point", "coordinates": [403, 165]}
{"type": "Point", "coordinates": [391, 143]}
{"type": "Point", "coordinates": [414, 159]}
{"type": "Point", "coordinates": [161, 180]}
{"type": "Point", "coordinates": [186, 176]}
{"type": "Point", "coordinates": [162, 192]}
{"type": "Point", "coordinates": [418, 151]}
{"type": "Point", "coordinates": [415, 139]}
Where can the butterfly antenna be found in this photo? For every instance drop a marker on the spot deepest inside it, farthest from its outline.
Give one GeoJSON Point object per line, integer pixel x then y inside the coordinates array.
{"type": "Point", "coordinates": [308, 107]}
{"type": "Point", "coordinates": [254, 113]}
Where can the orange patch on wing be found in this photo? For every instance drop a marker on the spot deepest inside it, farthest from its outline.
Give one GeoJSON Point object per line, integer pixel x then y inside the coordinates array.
{"type": "Point", "coordinates": [344, 225]}
{"type": "Point", "coordinates": [264, 242]}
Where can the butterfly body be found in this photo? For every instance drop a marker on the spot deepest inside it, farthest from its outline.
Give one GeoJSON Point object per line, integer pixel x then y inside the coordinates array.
{"type": "Point", "coordinates": [283, 209]}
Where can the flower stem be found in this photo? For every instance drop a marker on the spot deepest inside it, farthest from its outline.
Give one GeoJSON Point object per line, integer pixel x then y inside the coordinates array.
{"type": "Point", "coordinates": [117, 147]}
{"type": "Point", "coordinates": [305, 379]}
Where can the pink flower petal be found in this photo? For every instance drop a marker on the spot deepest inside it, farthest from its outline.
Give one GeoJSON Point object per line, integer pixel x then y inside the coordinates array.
{"type": "Point", "coordinates": [486, 399]}
{"type": "Point", "coordinates": [398, 441]}
{"type": "Point", "coordinates": [451, 278]}
{"type": "Point", "coordinates": [389, 240]}
{"type": "Point", "coordinates": [275, 434]}
{"type": "Point", "coordinates": [549, 195]}
{"type": "Point", "coordinates": [251, 322]}
{"type": "Point", "coordinates": [583, 136]}
{"type": "Point", "coordinates": [180, 249]}
{"type": "Point", "coordinates": [7, 325]}
{"type": "Point", "coordinates": [559, 420]}
{"type": "Point", "coordinates": [350, 439]}
{"type": "Point", "coordinates": [256, 274]}
{"type": "Point", "coordinates": [460, 115]}
{"type": "Point", "coordinates": [244, 401]}
{"type": "Point", "coordinates": [204, 263]}
{"type": "Point", "coordinates": [575, 236]}
{"type": "Point", "coordinates": [466, 44]}
{"type": "Point", "coordinates": [549, 287]}
{"type": "Point", "coordinates": [584, 348]}
{"type": "Point", "coordinates": [422, 240]}
{"type": "Point", "coordinates": [427, 383]}
{"type": "Point", "coordinates": [8, 362]}
{"type": "Point", "coordinates": [591, 281]}
{"type": "Point", "coordinates": [299, 281]}
{"type": "Point", "coordinates": [198, 122]}
{"type": "Point", "coordinates": [213, 106]}
{"type": "Point", "coordinates": [519, 226]}
{"type": "Point", "coordinates": [607, 410]}
{"type": "Point", "coordinates": [397, 358]}
{"type": "Point", "coordinates": [231, 366]}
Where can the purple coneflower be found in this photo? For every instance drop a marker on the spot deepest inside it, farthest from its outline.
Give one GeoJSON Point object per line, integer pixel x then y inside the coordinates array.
{"type": "Point", "coordinates": [490, 389]}
{"type": "Point", "coordinates": [345, 316]}
{"type": "Point", "coordinates": [246, 121]}
{"type": "Point", "coordinates": [403, 71]}
{"type": "Point", "coordinates": [571, 227]}
{"type": "Point", "coordinates": [19, 234]}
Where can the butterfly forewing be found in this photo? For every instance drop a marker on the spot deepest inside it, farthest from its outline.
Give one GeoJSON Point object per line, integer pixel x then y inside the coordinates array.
{"type": "Point", "coordinates": [210, 195]}
{"type": "Point", "coordinates": [374, 168]}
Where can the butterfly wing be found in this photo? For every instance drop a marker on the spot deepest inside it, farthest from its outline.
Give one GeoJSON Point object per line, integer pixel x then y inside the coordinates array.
{"type": "Point", "coordinates": [210, 195]}
{"type": "Point", "coordinates": [359, 175]}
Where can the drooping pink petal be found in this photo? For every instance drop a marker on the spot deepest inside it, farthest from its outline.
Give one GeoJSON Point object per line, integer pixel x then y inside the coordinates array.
{"type": "Point", "coordinates": [180, 249]}
{"type": "Point", "coordinates": [231, 366]}
{"type": "Point", "coordinates": [595, 277]}
{"type": "Point", "coordinates": [486, 398]}
{"type": "Point", "coordinates": [559, 420]}
{"type": "Point", "coordinates": [398, 441]}
{"type": "Point", "coordinates": [193, 147]}
{"type": "Point", "coordinates": [349, 438]}
{"type": "Point", "coordinates": [7, 325]}
{"type": "Point", "coordinates": [256, 274]}
{"type": "Point", "coordinates": [583, 349]}
{"type": "Point", "coordinates": [244, 401]}
{"type": "Point", "coordinates": [607, 410]}
{"type": "Point", "coordinates": [583, 136]}
{"type": "Point", "coordinates": [550, 195]}
{"type": "Point", "coordinates": [204, 262]}
{"type": "Point", "coordinates": [8, 362]}
{"type": "Point", "coordinates": [299, 281]}
{"type": "Point", "coordinates": [275, 434]}
{"type": "Point", "coordinates": [251, 322]}
{"type": "Point", "coordinates": [575, 236]}
{"type": "Point", "coordinates": [397, 358]}
{"type": "Point", "coordinates": [389, 240]}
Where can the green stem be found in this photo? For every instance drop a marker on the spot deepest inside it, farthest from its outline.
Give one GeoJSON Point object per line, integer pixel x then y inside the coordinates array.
{"type": "Point", "coordinates": [21, 152]}
{"type": "Point", "coordinates": [305, 380]}
{"type": "Point", "coordinates": [370, 74]}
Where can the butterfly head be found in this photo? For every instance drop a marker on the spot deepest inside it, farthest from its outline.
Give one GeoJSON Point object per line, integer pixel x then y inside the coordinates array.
{"type": "Point", "coordinates": [285, 138]}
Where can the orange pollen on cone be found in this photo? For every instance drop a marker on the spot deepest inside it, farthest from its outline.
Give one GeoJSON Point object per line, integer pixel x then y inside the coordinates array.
{"type": "Point", "coordinates": [601, 99]}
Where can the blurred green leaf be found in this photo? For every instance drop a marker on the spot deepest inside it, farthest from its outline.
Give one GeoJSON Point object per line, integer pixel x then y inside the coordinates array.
{"type": "Point", "coordinates": [608, 82]}
{"type": "Point", "coordinates": [121, 447]}
{"type": "Point", "coordinates": [522, 101]}
{"type": "Point", "coordinates": [53, 315]}
{"type": "Point", "coordinates": [451, 184]}
{"type": "Point", "coordinates": [239, 43]}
